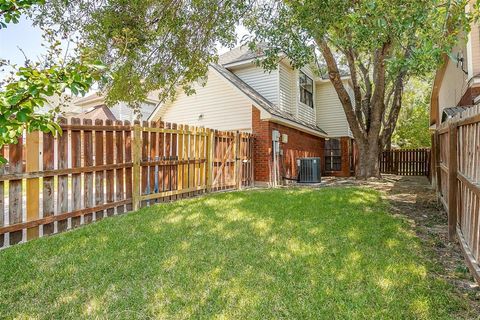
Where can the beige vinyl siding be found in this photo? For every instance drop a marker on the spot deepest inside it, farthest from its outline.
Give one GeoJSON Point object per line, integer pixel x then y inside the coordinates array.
{"type": "Point", "coordinates": [289, 96]}
{"type": "Point", "coordinates": [288, 89]}
{"type": "Point", "coordinates": [453, 86]}
{"type": "Point", "coordinates": [305, 112]}
{"type": "Point", "coordinates": [222, 107]}
{"type": "Point", "coordinates": [264, 82]}
{"type": "Point", "coordinates": [330, 114]}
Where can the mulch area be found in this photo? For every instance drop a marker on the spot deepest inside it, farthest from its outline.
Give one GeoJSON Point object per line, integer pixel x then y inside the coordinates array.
{"type": "Point", "coordinates": [413, 199]}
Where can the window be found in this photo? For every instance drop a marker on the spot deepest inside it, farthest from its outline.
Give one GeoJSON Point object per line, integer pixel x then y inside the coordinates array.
{"type": "Point", "coordinates": [306, 89]}
{"type": "Point", "coordinates": [333, 155]}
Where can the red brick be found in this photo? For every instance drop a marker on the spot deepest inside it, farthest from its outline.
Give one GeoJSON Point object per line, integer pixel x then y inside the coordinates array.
{"type": "Point", "coordinates": [300, 144]}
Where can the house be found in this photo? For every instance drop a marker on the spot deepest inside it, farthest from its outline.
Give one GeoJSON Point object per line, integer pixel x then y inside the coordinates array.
{"type": "Point", "coordinates": [297, 108]}
{"type": "Point", "coordinates": [93, 107]}
{"type": "Point", "coordinates": [457, 81]}
{"type": "Point", "coordinates": [456, 85]}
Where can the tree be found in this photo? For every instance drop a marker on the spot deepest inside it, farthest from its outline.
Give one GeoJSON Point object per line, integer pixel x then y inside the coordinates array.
{"type": "Point", "coordinates": [380, 43]}
{"type": "Point", "coordinates": [149, 45]}
{"type": "Point", "coordinates": [26, 90]}
{"type": "Point", "coordinates": [413, 121]}
{"type": "Point", "coordinates": [11, 10]}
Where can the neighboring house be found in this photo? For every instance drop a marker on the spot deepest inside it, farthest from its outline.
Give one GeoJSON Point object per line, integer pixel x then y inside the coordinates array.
{"type": "Point", "coordinates": [457, 82]}
{"type": "Point", "coordinates": [93, 107]}
{"type": "Point", "coordinates": [302, 107]}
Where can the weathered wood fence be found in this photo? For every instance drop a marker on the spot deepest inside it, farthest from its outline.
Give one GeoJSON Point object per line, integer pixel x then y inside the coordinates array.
{"type": "Point", "coordinates": [95, 170]}
{"type": "Point", "coordinates": [406, 162]}
{"type": "Point", "coordinates": [457, 165]}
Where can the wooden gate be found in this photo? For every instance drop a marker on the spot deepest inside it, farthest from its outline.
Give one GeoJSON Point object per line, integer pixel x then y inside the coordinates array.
{"type": "Point", "coordinates": [406, 162]}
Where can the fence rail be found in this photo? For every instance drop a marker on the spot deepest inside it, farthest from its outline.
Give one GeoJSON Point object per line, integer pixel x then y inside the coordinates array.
{"type": "Point", "coordinates": [96, 170]}
{"type": "Point", "coordinates": [457, 159]}
{"type": "Point", "coordinates": [406, 162]}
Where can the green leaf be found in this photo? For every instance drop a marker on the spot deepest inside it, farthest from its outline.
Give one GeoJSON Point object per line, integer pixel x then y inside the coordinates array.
{"type": "Point", "coordinates": [22, 116]}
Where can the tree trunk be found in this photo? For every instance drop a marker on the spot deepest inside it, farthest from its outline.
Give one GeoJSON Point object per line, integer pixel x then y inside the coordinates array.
{"type": "Point", "coordinates": [388, 144]}
{"type": "Point", "coordinates": [368, 164]}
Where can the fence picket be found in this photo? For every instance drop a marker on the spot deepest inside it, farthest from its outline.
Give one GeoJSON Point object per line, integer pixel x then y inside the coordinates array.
{"type": "Point", "coordinates": [48, 192]}
{"type": "Point", "coordinates": [119, 173]}
{"type": "Point", "coordinates": [128, 170]}
{"type": "Point", "coordinates": [89, 191]}
{"type": "Point", "coordinates": [76, 177]}
{"type": "Point", "coordinates": [15, 190]}
{"type": "Point", "coordinates": [62, 163]}
{"type": "Point", "coordinates": [33, 184]}
{"type": "Point", "coordinates": [2, 199]}
{"type": "Point", "coordinates": [95, 170]}
{"type": "Point", "coordinates": [99, 174]}
{"type": "Point", "coordinates": [109, 160]}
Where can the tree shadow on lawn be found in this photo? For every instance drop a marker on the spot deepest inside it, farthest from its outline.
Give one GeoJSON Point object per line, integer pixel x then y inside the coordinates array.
{"type": "Point", "coordinates": [297, 253]}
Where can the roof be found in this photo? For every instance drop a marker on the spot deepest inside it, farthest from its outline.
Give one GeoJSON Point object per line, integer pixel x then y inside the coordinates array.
{"type": "Point", "coordinates": [243, 53]}
{"type": "Point", "coordinates": [101, 112]}
{"type": "Point", "coordinates": [261, 101]}
{"type": "Point", "coordinates": [97, 98]}
{"type": "Point", "coordinates": [452, 111]}
{"type": "Point", "coordinates": [238, 54]}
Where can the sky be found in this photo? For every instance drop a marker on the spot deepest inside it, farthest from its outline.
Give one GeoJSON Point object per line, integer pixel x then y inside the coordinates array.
{"type": "Point", "coordinates": [29, 38]}
{"type": "Point", "coordinates": [22, 35]}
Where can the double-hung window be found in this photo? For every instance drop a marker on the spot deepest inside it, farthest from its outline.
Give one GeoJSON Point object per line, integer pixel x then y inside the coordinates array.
{"type": "Point", "coordinates": [333, 155]}
{"type": "Point", "coordinates": [306, 89]}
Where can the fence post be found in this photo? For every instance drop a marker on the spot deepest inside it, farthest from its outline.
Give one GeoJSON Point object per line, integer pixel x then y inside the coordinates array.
{"type": "Point", "coordinates": [33, 187]}
{"type": "Point", "coordinates": [452, 180]}
{"type": "Point", "coordinates": [436, 160]}
{"type": "Point", "coordinates": [210, 146]}
{"type": "Point", "coordinates": [238, 178]}
{"type": "Point", "coordinates": [137, 158]}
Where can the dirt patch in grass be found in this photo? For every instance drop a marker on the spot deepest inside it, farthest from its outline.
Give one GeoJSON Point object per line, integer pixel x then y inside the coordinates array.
{"type": "Point", "coordinates": [413, 199]}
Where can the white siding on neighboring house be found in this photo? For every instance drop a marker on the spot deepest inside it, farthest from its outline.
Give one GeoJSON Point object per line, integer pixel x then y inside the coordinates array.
{"type": "Point", "coordinates": [217, 105]}
{"type": "Point", "coordinates": [288, 89]}
{"type": "Point", "coordinates": [264, 82]}
{"type": "Point", "coordinates": [304, 112]}
{"type": "Point", "coordinates": [330, 114]}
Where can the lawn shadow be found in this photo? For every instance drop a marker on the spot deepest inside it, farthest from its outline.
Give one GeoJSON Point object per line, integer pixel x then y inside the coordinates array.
{"type": "Point", "coordinates": [295, 253]}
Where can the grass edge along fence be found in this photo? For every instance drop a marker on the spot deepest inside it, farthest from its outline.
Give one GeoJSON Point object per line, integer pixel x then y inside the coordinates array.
{"type": "Point", "coordinates": [456, 155]}
{"type": "Point", "coordinates": [96, 170]}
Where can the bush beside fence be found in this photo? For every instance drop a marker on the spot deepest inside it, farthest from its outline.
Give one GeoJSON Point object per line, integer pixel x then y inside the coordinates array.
{"type": "Point", "coordinates": [96, 170]}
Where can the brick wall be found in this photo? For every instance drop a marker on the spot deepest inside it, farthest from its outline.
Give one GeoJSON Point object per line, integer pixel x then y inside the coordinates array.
{"type": "Point", "coordinates": [300, 144]}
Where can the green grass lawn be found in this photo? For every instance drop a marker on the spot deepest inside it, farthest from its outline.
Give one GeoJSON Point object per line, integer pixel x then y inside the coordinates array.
{"type": "Point", "coordinates": [291, 254]}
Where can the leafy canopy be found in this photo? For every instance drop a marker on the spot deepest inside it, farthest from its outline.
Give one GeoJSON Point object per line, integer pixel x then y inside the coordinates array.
{"type": "Point", "coordinates": [11, 10]}
{"type": "Point", "coordinates": [148, 45]}
{"type": "Point", "coordinates": [412, 130]}
{"type": "Point", "coordinates": [24, 94]}
{"type": "Point", "coordinates": [379, 43]}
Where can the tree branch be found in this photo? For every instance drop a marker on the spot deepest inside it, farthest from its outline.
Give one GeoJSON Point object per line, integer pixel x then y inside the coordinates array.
{"type": "Point", "coordinates": [377, 102]}
{"type": "Point", "coordinates": [397, 91]}
{"type": "Point", "coordinates": [335, 78]}
{"type": "Point", "coordinates": [351, 58]}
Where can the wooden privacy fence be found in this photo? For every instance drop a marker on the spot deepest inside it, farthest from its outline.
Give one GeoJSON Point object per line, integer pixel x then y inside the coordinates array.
{"type": "Point", "coordinates": [457, 165]}
{"type": "Point", "coordinates": [95, 170]}
{"type": "Point", "coordinates": [406, 162]}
